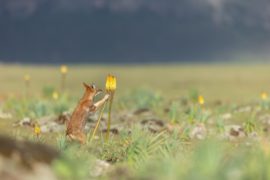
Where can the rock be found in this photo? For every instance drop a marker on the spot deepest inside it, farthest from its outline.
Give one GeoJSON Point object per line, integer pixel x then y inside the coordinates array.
{"type": "Point", "coordinates": [173, 127]}
{"type": "Point", "coordinates": [142, 111]}
{"type": "Point", "coordinates": [266, 129]}
{"type": "Point", "coordinates": [63, 118]}
{"type": "Point", "coordinates": [46, 120]}
{"type": "Point", "coordinates": [254, 135]}
{"type": "Point", "coordinates": [44, 129]}
{"type": "Point", "coordinates": [114, 131]}
{"type": "Point", "coordinates": [226, 116]}
{"type": "Point", "coordinates": [127, 117]}
{"type": "Point", "coordinates": [265, 119]}
{"type": "Point", "coordinates": [234, 131]}
{"type": "Point", "coordinates": [92, 125]}
{"type": "Point", "coordinates": [244, 109]}
{"type": "Point", "coordinates": [198, 132]}
{"type": "Point", "coordinates": [93, 118]}
{"type": "Point", "coordinates": [52, 127]}
{"type": "Point", "coordinates": [4, 115]}
{"type": "Point", "coordinates": [217, 103]}
{"type": "Point", "coordinates": [153, 125]}
{"type": "Point", "coordinates": [100, 167]}
{"type": "Point", "coordinates": [166, 110]}
{"type": "Point", "coordinates": [25, 122]}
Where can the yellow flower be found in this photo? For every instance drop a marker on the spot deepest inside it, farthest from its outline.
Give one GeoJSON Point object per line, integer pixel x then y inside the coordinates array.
{"type": "Point", "coordinates": [111, 83]}
{"type": "Point", "coordinates": [201, 100]}
{"type": "Point", "coordinates": [55, 95]}
{"type": "Point", "coordinates": [27, 77]}
{"type": "Point", "coordinates": [64, 69]}
{"type": "Point", "coordinates": [264, 96]}
{"type": "Point", "coordinates": [37, 129]}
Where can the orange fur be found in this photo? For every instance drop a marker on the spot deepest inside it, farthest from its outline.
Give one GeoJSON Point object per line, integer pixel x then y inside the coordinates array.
{"type": "Point", "coordinates": [75, 127]}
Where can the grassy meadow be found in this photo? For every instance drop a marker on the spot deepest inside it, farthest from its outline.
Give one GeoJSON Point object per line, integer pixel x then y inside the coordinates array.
{"type": "Point", "coordinates": [168, 121]}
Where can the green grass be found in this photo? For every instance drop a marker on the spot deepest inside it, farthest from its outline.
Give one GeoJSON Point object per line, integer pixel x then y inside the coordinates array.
{"type": "Point", "coordinates": [195, 142]}
{"type": "Point", "coordinates": [230, 83]}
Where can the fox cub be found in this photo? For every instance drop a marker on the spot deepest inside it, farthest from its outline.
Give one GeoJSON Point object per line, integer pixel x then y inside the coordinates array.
{"type": "Point", "coordinates": [76, 124]}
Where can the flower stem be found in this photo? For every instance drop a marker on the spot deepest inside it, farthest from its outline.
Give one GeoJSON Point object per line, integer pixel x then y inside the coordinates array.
{"type": "Point", "coordinates": [109, 117]}
{"type": "Point", "coordinates": [63, 82]}
{"type": "Point", "coordinates": [98, 122]}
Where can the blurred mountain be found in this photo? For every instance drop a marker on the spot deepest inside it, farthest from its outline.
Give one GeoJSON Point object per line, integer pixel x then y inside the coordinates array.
{"type": "Point", "coordinates": [37, 32]}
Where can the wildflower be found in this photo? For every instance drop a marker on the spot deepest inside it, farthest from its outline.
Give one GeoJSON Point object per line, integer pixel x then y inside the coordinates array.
{"type": "Point", "coordinates": [110, 88]}
{"type": "Point", "coordinates": [110, 83]}
{"type": "Point", "coordinates": [37, 130]}
{"type": "Point", "coordinates": [264, 96]}
{"type": "Point", "coordinates": [26, 77]}
{"type": "Point", "coordinates": [63, 69]}
{"type": "Point", "coordinates": [126, 142]}
{"type": "Point", "coordinates": [201, 100]}
{"type": "Point", "coordinates": [55, 95]}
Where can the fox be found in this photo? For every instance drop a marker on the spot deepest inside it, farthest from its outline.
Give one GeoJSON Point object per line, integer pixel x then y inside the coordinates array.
{"type": "Point", "coordinates": [86, 105]}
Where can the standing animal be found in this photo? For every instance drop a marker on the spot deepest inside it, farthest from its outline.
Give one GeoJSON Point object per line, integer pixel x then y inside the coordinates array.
{"type": "Point", "coordinates": [76, 124]}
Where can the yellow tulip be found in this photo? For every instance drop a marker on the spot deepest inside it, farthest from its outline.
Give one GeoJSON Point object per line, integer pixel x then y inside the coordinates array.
{"type": "Point", "coordinates": [37, 130]}
{"type": "Point", "coordinates": [27, 77]}
{"type": "Point", "coordinates": [110, 83]}
{"type": "Point", "coordinates": [113, 84]}
{"type": "Point", "coordinates": [264, 96]}
{"type": "Point", "coordinates": [64, 69]}
{"type": "Point", "coordinates": [201, 100]}
{"type": "Point", "coordinates": [108, 80]}
{"type": "Point", "coordinates": [55, 95]}
{"type": "Point", "coordinates": [110, 88]}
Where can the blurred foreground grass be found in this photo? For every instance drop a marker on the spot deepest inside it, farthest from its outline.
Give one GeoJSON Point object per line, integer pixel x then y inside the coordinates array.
{"type": "Point", "coordinates": [164, 133]}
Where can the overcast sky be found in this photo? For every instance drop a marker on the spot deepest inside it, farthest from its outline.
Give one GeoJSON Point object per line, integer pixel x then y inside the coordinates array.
{"type": "Point", "coordinates": [103, 31]}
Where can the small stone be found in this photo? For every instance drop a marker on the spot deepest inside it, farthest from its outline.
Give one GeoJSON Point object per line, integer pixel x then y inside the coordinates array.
{"type": "Point", "coordinates": [198, 132]}
{"type": "Point", "coordinates": [244, 109]}
{"type": "Point", "coordinates": [234, 131]}
{"type": "Point", "coordinates": [63, 118]}
{"type": "Point", "coordinates": [4, 115]}
{"type": "Point", "coordinates": [114, 131]}
{"type": "Point", "coordinates": [226, 116]}
{"type": "Point", "coordinates": [265, 119]}
{"type": "Point", "coordinates": [44, 129]}
{"type": "Point", "coordinates": [100, 167]}
{"type": "Point", "coordinates": [141, 111]}
{"type": "Point", "coordinates": [25, 122]}
{"type": "Point", "coordinates": [153, 125]}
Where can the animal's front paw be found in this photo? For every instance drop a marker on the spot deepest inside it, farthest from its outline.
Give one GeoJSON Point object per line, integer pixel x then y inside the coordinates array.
{"type": "Point", "coordinates": [106, 97]}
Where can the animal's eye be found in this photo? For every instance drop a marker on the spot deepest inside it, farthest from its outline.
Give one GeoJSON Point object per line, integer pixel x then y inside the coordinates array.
{"type": "Point", "coordinates": [93, 86]}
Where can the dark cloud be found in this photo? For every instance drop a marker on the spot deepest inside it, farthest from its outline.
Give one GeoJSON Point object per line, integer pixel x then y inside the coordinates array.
{"type": "Point", "coordinates": [133, 29]}
{"type": "Point", "coordinates": [249, 12]}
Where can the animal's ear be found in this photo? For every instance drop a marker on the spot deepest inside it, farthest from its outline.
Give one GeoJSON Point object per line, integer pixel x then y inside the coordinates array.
{"type": "Point", "coordinates": [86, 85]}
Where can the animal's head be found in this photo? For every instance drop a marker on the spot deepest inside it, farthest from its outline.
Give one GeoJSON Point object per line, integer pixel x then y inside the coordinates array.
{"type": "Point", "coordinates": [91, 91]}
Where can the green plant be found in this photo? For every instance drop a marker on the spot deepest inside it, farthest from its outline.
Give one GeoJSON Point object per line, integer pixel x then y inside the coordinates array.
{"type": "Point", "coordinates": [62, 142]}
{"type": "Point", "coordinates": [143, 147]}
{"type": "Point", "coordinates": [141, 98]}
{"type": "Point", "coordinates": [249, 124]}
{"type": "Point", "coordinates": [193, 95]}
{"type": "Point", "coordinates": [174, 112]}
{"type": "Point", "coordinates": [220, 125]}
{"type": "Point", "coordinates": [47, 91]}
